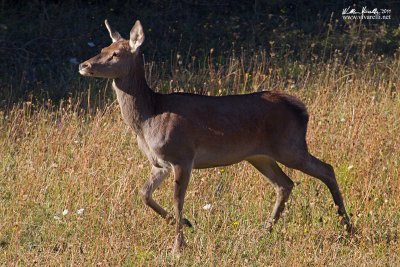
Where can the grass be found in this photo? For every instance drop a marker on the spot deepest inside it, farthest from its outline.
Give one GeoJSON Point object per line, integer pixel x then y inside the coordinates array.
{"type": "Point", "coordinates": [58, 159]}
{"type": "Point", "coordinates": [42, 41]}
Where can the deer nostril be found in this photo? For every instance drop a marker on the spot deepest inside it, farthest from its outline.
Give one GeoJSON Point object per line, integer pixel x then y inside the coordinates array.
{"type": "Point", "coordinates": [84, 65]}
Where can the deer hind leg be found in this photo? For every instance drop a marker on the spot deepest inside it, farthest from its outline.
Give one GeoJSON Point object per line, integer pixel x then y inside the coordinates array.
{"type": "Point", "coordinates": [182, 176]}
{"type": "Point", "coordinates": [324, 172]}
{"type": "Point", "coordinates": [282, 183]}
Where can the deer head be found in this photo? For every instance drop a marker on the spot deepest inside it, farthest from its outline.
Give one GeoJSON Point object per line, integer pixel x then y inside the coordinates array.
{"type": "Point", "coordinates": [116, 60]}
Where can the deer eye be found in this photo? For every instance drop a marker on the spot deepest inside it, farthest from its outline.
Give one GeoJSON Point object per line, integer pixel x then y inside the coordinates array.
{"type": "Point", "coordinates": [114, 54]}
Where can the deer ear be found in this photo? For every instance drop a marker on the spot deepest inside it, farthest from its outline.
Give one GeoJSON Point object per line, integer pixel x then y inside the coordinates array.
{"type": "Point", "coordinates": [115, 36]}
{"type": "Point", "coordinates": [136, 36]}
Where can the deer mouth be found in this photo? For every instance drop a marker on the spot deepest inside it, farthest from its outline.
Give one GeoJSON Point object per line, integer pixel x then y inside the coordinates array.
{"type": "Point", "coordinates": [85, 69]}
{"type": "Point", "coordinates": [86, 72]}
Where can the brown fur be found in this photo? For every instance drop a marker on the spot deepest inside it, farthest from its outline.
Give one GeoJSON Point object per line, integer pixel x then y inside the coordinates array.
{"type": "Point", "coordinates": [181, 131]}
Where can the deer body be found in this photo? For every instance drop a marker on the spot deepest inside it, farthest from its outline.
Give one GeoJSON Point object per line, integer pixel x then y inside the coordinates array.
{"type": "Point", "coordinates": [219, 130]}
{"type": "Point", "coordinates": [181, 131]}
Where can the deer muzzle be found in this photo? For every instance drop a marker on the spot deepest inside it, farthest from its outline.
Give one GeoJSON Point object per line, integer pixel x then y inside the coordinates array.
{"type": "Point", "coordinates": [84, 68]}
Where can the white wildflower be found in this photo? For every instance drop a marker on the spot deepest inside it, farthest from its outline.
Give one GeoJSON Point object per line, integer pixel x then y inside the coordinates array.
{"type": "Point", "coordinates": [53, 165]}
{"type": "Point", "coordinates": [207, 207]}
{"type": "Point", "coordinates": [80, 211]}
{"type": "Point", "coordinates": [65, 212]}
{"type": "Point", "coordinates": [350, 167]}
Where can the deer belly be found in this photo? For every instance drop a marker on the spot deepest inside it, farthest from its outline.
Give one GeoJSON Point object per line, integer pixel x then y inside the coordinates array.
{"type": "Point", "coordinates": [209, 158]}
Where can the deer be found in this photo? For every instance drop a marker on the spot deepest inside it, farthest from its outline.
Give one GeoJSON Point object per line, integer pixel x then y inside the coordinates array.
{"type": "Point", "coordinates": [179, 132]}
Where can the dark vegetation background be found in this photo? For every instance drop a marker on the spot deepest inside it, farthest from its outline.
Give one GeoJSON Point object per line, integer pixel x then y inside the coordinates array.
{"type": "Point", "coordinates": [41, 42]}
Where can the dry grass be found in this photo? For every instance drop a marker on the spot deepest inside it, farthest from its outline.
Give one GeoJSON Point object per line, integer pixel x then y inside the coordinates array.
{"type": "Point", "coordinates": [59, 158]}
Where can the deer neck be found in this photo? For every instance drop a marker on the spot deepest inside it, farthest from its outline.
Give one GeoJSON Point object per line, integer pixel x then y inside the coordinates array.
{"type": "Point", "coordinates": [134, 96]}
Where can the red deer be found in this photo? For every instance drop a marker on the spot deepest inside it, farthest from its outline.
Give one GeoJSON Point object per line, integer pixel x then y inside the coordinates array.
{"type": "Point", "coordinates": [182, 131]}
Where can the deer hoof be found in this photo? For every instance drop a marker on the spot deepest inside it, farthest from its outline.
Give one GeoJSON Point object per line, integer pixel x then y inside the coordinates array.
{"type": "Point", "coordinates": [268, 226]}
{"type": "Point", "coordinates": [345, 221]}
{"type": "Point", "coordinates": [350, 229]}
{"type": "Point", "coordinates": [187, 223]}
{"type": "Point", "coordinates": [170, 219]}
{"type": "Point", "coordinates": [178, 245]}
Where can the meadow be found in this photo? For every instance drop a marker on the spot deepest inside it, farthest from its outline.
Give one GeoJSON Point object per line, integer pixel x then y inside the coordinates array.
{"type": "Point", "coordinates": [71, 174]}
